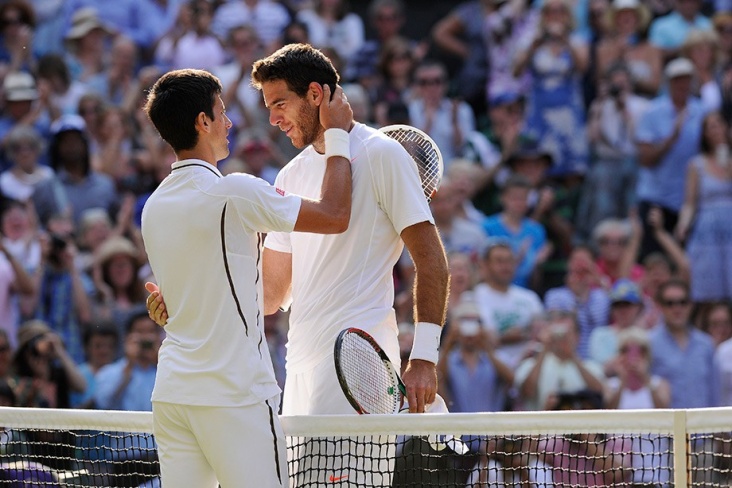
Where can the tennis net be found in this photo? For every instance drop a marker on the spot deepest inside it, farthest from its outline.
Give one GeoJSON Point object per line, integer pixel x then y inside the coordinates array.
{"type": "Point", "coordinates": [648, 448]}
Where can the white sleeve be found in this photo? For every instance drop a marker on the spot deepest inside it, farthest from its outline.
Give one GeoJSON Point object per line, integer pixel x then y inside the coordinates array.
{"type": "Point", "coordinates": [279, 241]}
{"type": "Point", "coordinates": [260, 206]}
{"type": "Point", "coordinates": [397, 186]}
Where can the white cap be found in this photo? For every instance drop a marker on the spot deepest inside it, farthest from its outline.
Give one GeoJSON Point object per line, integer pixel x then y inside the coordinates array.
{"type": "Point", "coordinates": [19, 86]}
{"type": "Point", "coordinates": [679, 67]}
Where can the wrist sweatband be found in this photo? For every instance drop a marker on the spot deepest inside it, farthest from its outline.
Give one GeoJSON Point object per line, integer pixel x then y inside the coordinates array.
{"type": "Point", "coordinates": [337, 144]}
{"type": "Point", "coordinates": [426, 342]}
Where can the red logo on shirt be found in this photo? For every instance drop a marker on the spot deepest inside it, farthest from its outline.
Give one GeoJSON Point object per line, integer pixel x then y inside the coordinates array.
{"type": "Point", "coordinates": [280, 191]}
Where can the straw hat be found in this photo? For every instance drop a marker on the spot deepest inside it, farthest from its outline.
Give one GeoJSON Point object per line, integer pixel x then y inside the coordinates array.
{"type": "Point", "coordinates": [30, 330]}
{"type": "Point", "coordinates": [115, 246]}
{"type": "Point", "coordinates": [644, 15]}
{"type": "Point", "coordinates": [83, 22]}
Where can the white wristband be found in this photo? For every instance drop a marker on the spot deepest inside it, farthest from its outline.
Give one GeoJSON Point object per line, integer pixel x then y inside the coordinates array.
{"type": "Point", "coordinates": [426, 342]}
{"type": "Point", "coordinates": [337, 144]}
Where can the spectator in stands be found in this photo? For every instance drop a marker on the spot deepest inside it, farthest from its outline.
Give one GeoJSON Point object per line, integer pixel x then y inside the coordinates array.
{"type": "Point", "coordinates": [447, 120]}
{"type": "Point", "coordinates": [716, 320]}
{"type": "Point", "coordinates": [701, 48]}
{"type": "Point", "coordinates": [44, 371]}
{"type": "Point", "coordinates": [191, 43]}
{"type": "Point", "coordinates": [117, 79]}
{"type": "Point", "coordinates": [127, 384]}
{"type": "Point", "coordinates": [386, 17]}
{"type": "Point", "coordinates": [260, 155]}
{"type": "Point", "coordinates": [556, 112]}
{"type": "Point", "coordinates": [473, 377]}
{"type": "Point", "coordinates": [17, 25]}
{"type": "Point", "coordinates": [119, 290]}
{"type": "Point", "coordinates": [527, 237]}
{"type": "Point", "coordinates": [463, 278]}
{"type": "Point", "coordinates": [101, 347]}
{"type": "Point", "coordinates": [23, 146]}
{"type": "Point", "coordinates": [21, 236]}
{"type": "Point", "coordinates": [609, 188]}
{"type": "Point", "coordinates": [617, 242]}
{"type": "Point", "coordinates": [157, 17]}
{"type": "Point", "coordinates": [627, 45]}
{"type": "Point", "coordinates": [460, 36]}
{"type": "Point", "coordinates": [87, 40]}
{"type": "Point", "coordinates": [626, 309]}
{"type": "Point", "coordinates": [76, 186]}
{"type": "Point", "coordinates": [670, 31]}
{"type": "Point", "coordinates": [331, 23]}
{"type": "Point", "coordinates": [62, 292]}
{"type": "Point", "coordinates": [704, 223]}
{"type": "Point", "coordinates": [269, 18]}
{"type": "Point", "coordinates": [557, 368]}
{"type": "Point", "coordinates": [395, 67]}
{"type": "Point", "coordinates": [242, 101]}
{"type": "Point", "coordinates": [682, 354]}
{"type": "Point", "coordinates": [506, 309]}
{"type": "Point", "coordinates": [665, 148]}
{"type": "Point", "coordinates": [6, 356]}
{"type": "Point", "coordinates": [582, 295]}
{"type": "Point", "coordinates": [507, 25]}
{"type": "Point", "coordinates": [22, 107]}
{"type": "Point", "coordinates": [636, 388]}
{"type": "Point", "coordinates": [64, 92]}
{"type": "Point", "coordinates": [458, 234]}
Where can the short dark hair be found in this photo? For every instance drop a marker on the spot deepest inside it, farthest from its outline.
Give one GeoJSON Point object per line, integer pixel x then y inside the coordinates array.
{"type": "Point", "coordinates": [176, 99]}
{"type": "Point", "coordinates": [103, 328]}
{"type": "Point", "coordinates": [298, 65]}
{"type": "Point", "coordinates": [515, 181]}
{"type": "Point", "coordinates": [496, 243]}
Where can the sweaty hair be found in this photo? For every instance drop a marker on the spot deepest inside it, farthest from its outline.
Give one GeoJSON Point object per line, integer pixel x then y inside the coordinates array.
{"type": "Point", "coordinates": [298, 65]}
{"type": "Point", "coordinates": [176, 99]}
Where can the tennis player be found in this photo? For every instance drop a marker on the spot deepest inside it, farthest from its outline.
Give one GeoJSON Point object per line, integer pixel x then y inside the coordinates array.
{"type": "Point", "coordinates": [215, 396]}
{"type": "Point", "coordinates": [345, 280]}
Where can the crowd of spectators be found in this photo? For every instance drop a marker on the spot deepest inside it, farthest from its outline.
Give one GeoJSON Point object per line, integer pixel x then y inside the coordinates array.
{"type": "Point", "coordinates": [585, 207]}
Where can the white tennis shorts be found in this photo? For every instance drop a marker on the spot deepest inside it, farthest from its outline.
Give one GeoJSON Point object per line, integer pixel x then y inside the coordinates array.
{"type": "Point", "coordinates": [237, 447]}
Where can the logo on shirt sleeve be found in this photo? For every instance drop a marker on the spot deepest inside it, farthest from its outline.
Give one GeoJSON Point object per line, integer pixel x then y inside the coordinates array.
{"type": "Point", "coordinates": [280, 191]}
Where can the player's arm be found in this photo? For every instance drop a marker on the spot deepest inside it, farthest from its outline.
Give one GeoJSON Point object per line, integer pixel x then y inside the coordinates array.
{"type": "Point", "coordinates": [431, 286]}
{"type": "Point", "coordinates": [276, 278]}
{"type": "Point", "coordinates": [332, 213]}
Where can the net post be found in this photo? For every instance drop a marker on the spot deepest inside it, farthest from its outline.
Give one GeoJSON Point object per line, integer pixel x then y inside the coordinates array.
{"type": "Point", "coordinates": [681, 448]}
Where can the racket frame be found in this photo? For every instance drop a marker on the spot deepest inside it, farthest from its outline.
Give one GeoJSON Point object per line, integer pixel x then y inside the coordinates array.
{"type": "Point", "coordinates": [382, 355]}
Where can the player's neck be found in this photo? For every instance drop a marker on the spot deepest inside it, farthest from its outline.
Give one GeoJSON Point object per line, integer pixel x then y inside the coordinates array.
{"type": "Point", "coordinates": [319, 143]}
{"type": "Point", "coordinates": [203, 154]}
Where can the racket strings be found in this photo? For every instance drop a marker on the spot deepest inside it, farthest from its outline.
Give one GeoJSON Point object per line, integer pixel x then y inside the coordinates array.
{"type": "Point", "coordinates": [369, 380]}
{"type": "Point", "coordinates": [425, 154]}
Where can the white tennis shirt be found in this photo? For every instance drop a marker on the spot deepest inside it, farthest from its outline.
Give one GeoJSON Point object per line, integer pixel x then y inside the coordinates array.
{"type": "Point", "coordinates": [345, 280]}
{"type": "Point", "coordinates": [202, 235]}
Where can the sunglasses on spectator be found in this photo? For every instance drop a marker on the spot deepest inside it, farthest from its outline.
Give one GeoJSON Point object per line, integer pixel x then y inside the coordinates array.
{"type": "Point", "coordinates": [430, 81]}
{"type": "Point", "coordinates": [606, 241]}
{"type": "Point", "coordinates": [387, 17]}
{"type": "Point", "coordinates": [22, 146]}
{"type": "Point", "coordinates": [636, 348]}
{"type": "Point", "coordinates": [400, 56]}
{"type": "Point", "coordinates": [681, 302]}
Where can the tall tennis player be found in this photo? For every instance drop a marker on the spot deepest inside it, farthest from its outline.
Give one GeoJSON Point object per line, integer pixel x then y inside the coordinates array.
{"type": "Point", "coordinates": [215, 396]}
{"type": "Point", "coordinates": [345, 280]}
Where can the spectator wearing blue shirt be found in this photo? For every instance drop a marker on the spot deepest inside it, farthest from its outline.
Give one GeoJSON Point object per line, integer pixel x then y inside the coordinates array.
{"type": "Point", "coordinates": [682, 354]}
{"type": "Point", "coordinates": [669, 32]}
{"type": "Point", "coordinates": [473, 378]}
{"type": "Point", "coordinates": [527, 237]}
{"type": "Point", "coordinates": [668, 137]}
{"type": "Point", "coordinates": [127, 384]}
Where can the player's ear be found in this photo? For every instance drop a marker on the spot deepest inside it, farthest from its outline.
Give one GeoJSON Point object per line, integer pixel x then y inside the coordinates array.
{"type": "Point", "coordinates": [202, 122]}
{"type": "Point", "coordinates": [315, 94]}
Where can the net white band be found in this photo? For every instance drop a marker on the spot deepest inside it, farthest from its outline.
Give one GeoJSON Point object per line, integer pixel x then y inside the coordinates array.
{"type": "Point", "coordinates": [426, 342]}
{"type": "Point", "coordinates": [337, 144]}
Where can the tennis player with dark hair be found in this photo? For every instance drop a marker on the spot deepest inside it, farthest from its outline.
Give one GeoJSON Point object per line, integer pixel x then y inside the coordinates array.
{"type": "Point", "coordinates": [339, 281]}
{"type": "Point", "coordinates": [215, 396]}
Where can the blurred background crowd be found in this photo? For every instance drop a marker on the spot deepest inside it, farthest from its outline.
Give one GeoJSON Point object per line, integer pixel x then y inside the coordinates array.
{"type": "Point", "coordinates": [586, 205]}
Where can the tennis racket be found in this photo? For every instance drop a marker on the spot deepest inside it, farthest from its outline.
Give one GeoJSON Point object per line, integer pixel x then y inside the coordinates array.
{"type": "Point", "coordinates": [424, 152]}
{"type": "Point", "coordinates": [367, 376]}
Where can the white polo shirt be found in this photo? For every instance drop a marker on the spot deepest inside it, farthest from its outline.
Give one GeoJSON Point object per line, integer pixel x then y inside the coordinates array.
{"type": "Point", "coordinates": [345, 280]}
{"type": "Point", "coordinates": [202, 233]}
